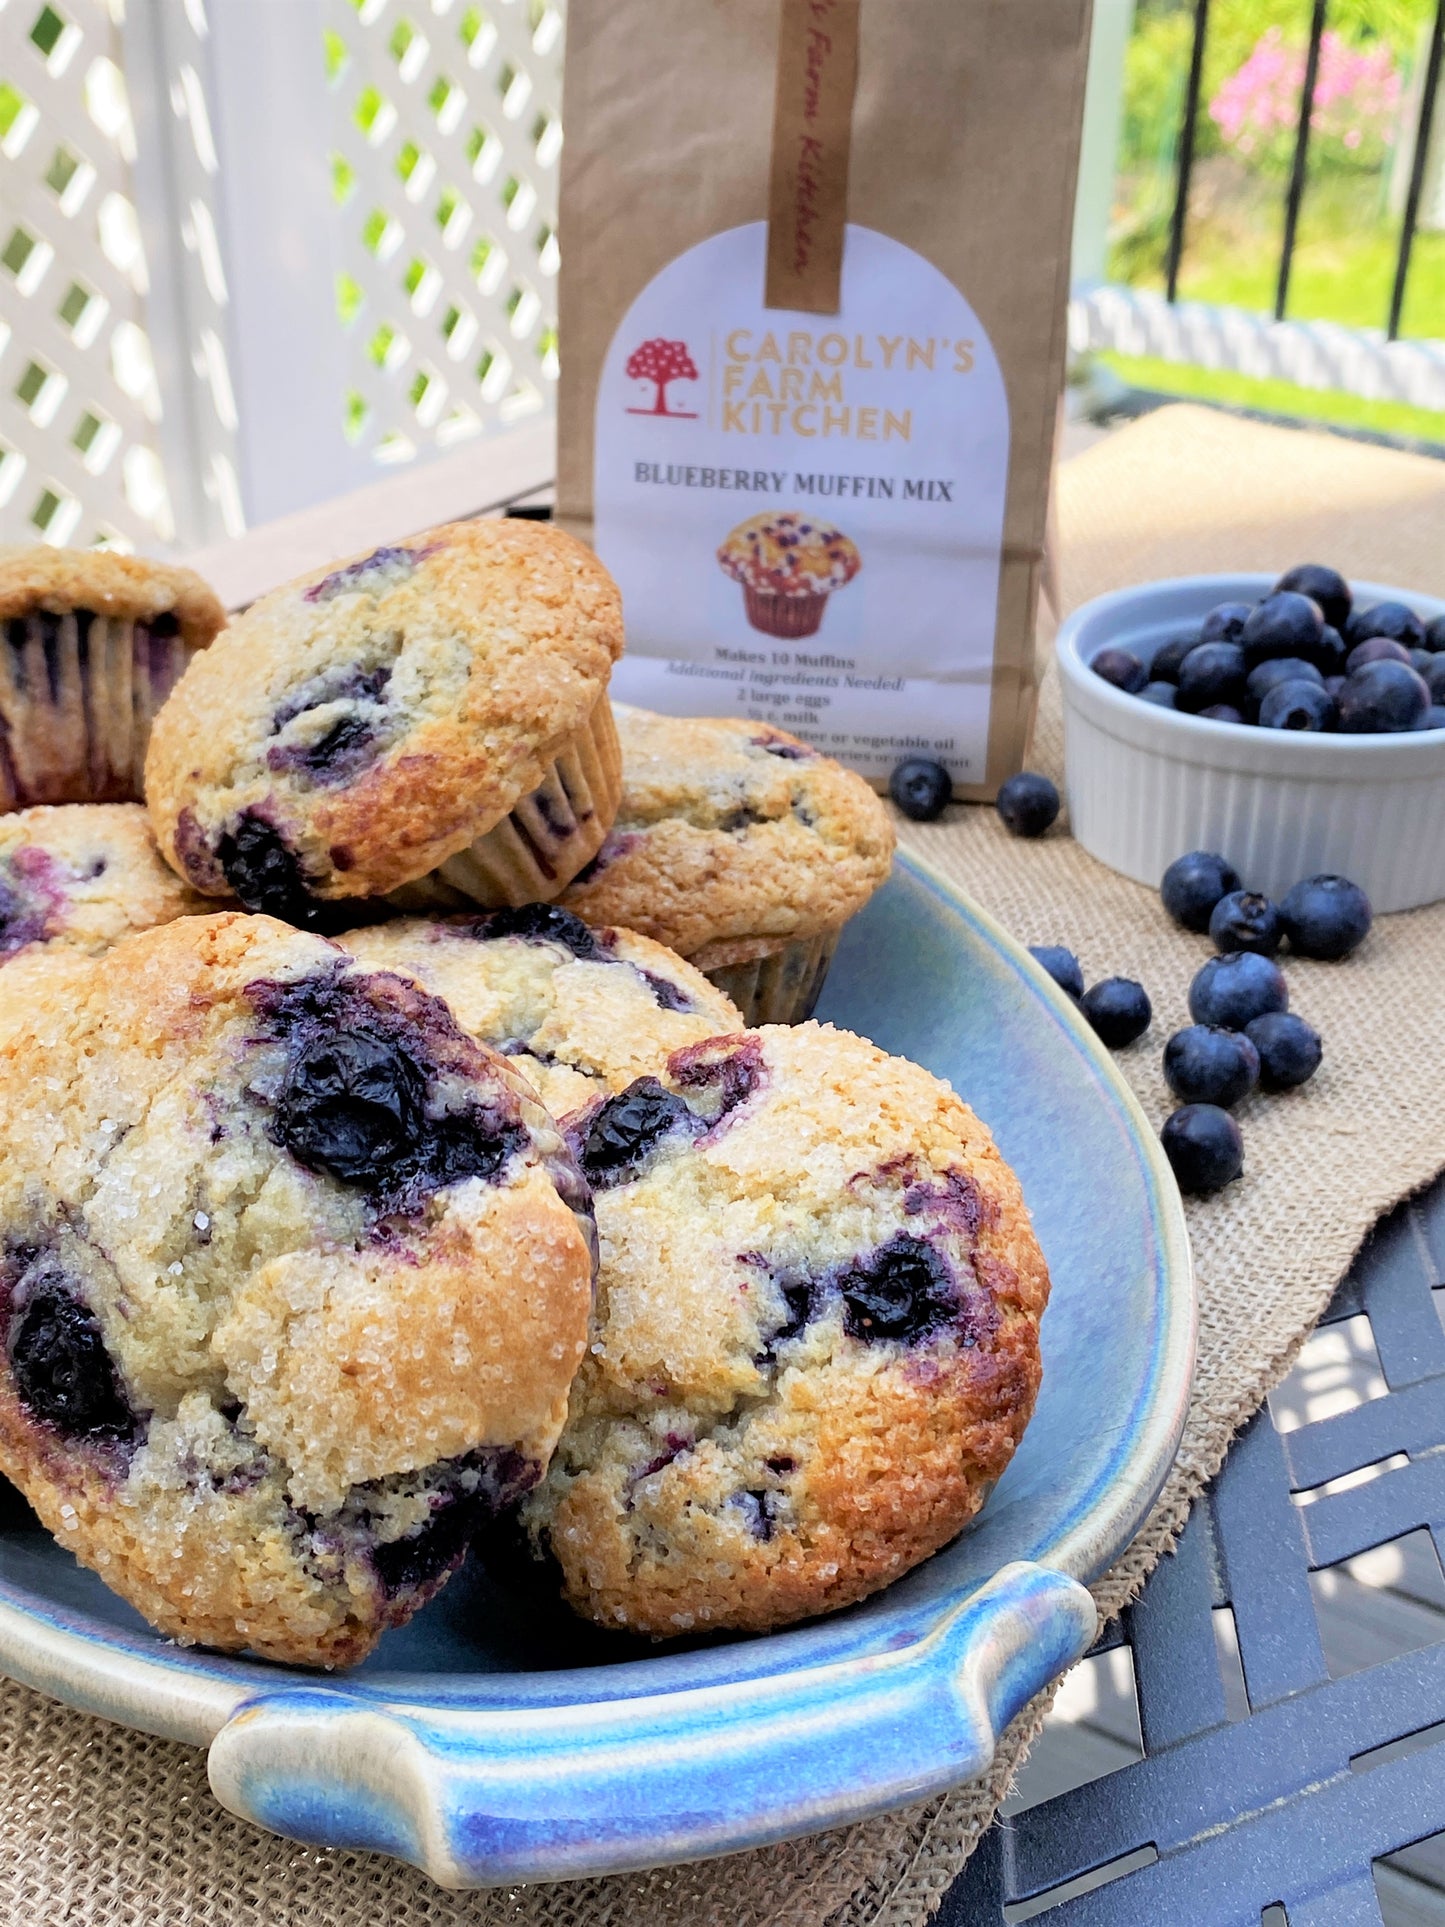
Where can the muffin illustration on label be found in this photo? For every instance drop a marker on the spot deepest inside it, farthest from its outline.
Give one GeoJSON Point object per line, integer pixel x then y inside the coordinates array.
{"type": "Point", "coordinates": [789, 563]}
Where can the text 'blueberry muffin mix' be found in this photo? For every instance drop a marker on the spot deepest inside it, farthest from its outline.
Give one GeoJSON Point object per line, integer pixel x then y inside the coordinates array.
{"type": "Point", "coordinates": [384, 1148]}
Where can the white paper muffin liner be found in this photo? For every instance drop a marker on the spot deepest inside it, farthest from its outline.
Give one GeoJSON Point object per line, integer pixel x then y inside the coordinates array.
{"type": "Point", "coordinates": [546, 838]}
{"type": "Point", "coordinates": [778, 981]}
{"type": "Point", "coordinates": [78, 695]}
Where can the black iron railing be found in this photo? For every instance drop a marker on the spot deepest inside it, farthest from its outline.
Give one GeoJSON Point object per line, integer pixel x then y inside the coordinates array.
{"type": "Point", "coordinates": [1299, 169]}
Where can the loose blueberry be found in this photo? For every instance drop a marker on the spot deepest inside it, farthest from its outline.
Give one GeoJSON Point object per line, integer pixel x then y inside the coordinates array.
{"type": "Point", "coordinates": [1377, 649]}
{"type": "Point", "coordinates": [1118, 1009]}
{"type": "Point", "coordinates": [1212, 673]}
{"type": "Point", "coordinates": [1225, 622]}
{"type": "Point", "coordinates": [1062, 965]}
{"type": "Point", "coordinates": [1326, 917]}
{"type": "Point", "coordinates": [351, 1105]}
{"type": "Point", "coordinates": [540, 923]}
{"type": "Point", "coordinates": [1162, 694]}
{"type": "Point", "coordinates": [1434, 718]}
{"type": "Point", "coordinates": [1381, 699]}
{"type": "Point", "coordinates": [1435, 634]}
{"type": "Point", "coordinates": [1165, 661]}
{"type": "Point", "coordinates": [1205, 1065]}
{"type": "Point", "coordinates": [1434, 679]}
{"type": "Point", "coordinates": [1123, 670]}
{"type": "Point", "coordinates": [1222, 713]}
{"type": "Point", "coordinates": [1232, 991]}
{"type": "Point", "coordinates": [920, 788]}
{"type": "Point", "coordinates": [1325, 586]}
{"type": "Point", "coordinates": [1289, 1051]}
{"type": "Point", "coordinates": [627, 1128]}
{"type": "Point", "coordinates": [1027, 803]}
{"type": "Point", "coordinates": [1390, 619]}
{"type": "Point", "coordinates": [1245, 920]}
{"type": "Point", "coordinates": [1329, 657]}
{"type": "Point", "coordinates": [1299, 705]}
{"type": "Point", "coordinates": [903, 1291]}
{"type": "Point", "coordinates": [1284, 624]}
{"type": "Point", "coordinates": [1193, 884]}
{"type": "Point", "coordinates": [63, 1373]}
{"type": "Point", "coordinates": [1281, 669]}
{"type": "Point", "coordinates": [1204, 1147]}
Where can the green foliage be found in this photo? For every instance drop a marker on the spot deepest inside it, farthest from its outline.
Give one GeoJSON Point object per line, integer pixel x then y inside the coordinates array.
{"type": "Point", "coordinates": [1350, 221]}
{"type": "Point", "coordinates": [348, 299]}
{"type": "Point", "coordinates": [11, 102]}
{"type": "Point", "coordinates": [1325, 405]}
{"type": "Point", "coordinates": [369, 105]}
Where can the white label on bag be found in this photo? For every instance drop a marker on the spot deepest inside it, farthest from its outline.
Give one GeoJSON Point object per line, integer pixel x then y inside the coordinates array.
{"type": "Point", "coordinates": [804, 512]}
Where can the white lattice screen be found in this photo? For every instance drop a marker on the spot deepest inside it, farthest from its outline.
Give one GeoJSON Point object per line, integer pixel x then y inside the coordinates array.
{"type": "Point", "coordinates": [404, 219]}
{"type": "Point", "coordinates": [79, 402]}
{"type": "Point", "coordinates": [445, 169]}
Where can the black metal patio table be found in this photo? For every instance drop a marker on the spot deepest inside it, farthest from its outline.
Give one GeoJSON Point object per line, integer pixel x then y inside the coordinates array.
{"type": "Point", "coordinates": [1282, 1806]}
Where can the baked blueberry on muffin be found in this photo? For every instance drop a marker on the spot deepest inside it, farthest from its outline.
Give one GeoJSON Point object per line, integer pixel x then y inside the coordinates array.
{"type": "Point", "coordinates": [429, 719]}
{"type": "Point", "coordinates": [294, 1278]}
{"type": "Point", "coordinates": [578, 1011]}
{"type": "Point", "coordinates": [789, 563]}
{"type": "Point", "coordinates": [740, 848]}
{"type": "Point", "coordinates": [80, 876]}
{"type": "Point", "coordinates": [816, 1335]}
{"type": "Point", "coordinates": [93, 643]}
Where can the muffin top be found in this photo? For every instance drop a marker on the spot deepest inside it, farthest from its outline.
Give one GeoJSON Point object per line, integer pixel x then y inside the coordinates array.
{"type": "Point", "coordinates": [254, 1191]}
{"type": "Point", "coordinates": [729, 833]}
{"type": "Point", "coordinates": [80, 876]}
{"type": "Point", "coordinates": [128, 588]}
{"type": "Point", "coordinates": [354, 729]}
{"type": "Point", "coordinates": [789, 552]}
{"type": "Point", "coordinates": [579, 1012]}
{"type": "Point", "coordinates": [816, 1336]}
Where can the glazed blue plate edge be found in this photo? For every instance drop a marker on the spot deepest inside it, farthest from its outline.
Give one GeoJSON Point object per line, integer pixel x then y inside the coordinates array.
{"type": "Point", "coordinates": [1088, 1548]}
{"type": "Point", "coordinates": [1042, 1616]}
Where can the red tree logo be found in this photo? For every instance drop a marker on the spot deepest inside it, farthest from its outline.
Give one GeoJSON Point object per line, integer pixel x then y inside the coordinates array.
{"type": "Point", "coordinates": [662, 361]}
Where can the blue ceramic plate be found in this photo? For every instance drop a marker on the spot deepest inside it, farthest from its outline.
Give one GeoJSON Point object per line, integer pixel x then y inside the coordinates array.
{"type": "Point", "coordinates": [497, 1739]}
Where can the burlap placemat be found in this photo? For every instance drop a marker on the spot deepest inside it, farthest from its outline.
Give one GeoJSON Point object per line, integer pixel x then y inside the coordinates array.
{"type": "Point", "coordinates": [105, 1826]}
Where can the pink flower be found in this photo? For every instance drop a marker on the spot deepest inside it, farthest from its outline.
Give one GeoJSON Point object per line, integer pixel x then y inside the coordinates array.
{"type": "Point", "coordinates": [1262, 96]}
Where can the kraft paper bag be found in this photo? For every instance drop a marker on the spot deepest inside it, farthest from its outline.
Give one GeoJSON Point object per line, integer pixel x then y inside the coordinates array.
{"type": "Point", "coordinates": [815, 264]}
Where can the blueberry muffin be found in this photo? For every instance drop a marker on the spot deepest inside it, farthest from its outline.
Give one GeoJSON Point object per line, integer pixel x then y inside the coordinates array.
{"type": "Point", "coordinates": [80, 876]}
{"type": "Point", "coordinates": [816, 1336]}
{"type": "Point", "coordinates": [741, 849]}
{"type": "Point", "coordinates": [579, 1012]}
{"type": "Point", "coordinates": [789, 563]}
{"type": "Point", "coordinates": [294, 1278]}
{"type": "Point", "coordinates": [430, 718]}
{"type": "Point", "coordinates": [93, 644]}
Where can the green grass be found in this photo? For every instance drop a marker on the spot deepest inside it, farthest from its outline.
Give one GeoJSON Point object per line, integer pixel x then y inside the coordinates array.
{"type": "Point", "coordinates": [1344, 259]}
{"type": "Point", "coordinates": [1325, 405]}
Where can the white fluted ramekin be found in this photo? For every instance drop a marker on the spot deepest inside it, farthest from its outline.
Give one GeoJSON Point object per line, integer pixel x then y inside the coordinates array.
{"type": "Point", "coordinates": [1146, 784]}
